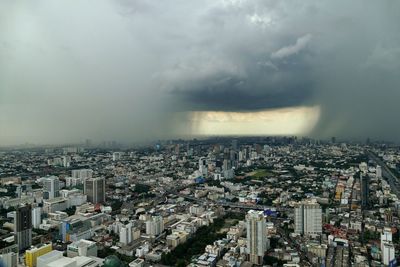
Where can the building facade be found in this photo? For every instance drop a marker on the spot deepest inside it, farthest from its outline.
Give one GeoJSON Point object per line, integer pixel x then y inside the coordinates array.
{"type": "Point", "coordinates": [23, 227]}
{"type": "Point", "coordinates": [308, 218]}
{"type": "Point", "coordinates": [256, 236]}
{"type": "Point", "coordinates": [95, 189]}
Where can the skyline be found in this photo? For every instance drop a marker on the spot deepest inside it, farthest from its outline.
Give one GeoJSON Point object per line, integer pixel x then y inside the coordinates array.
{"type": "Point", "coordinates": [136, 71]}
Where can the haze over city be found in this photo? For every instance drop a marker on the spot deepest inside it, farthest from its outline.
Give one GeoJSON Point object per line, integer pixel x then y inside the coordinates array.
{"type": "Point", "coordinates": [143, 70]}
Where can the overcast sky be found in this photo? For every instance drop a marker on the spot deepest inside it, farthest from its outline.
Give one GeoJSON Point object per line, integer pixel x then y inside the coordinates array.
{"type": "Point", "coordinates": [135, 70]}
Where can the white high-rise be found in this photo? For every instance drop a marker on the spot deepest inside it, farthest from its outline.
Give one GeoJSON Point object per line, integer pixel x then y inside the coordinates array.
{"type": "Point", "coordinates": [378, 171]}
{"type": "Point", "coordinates": [386, 236]}
{"type": "Point", "coordinates": [125, 234]}
{"type": "Point", "coordinates": [155, 225]}
{"type": "Point", "coordinates": [308, 217]}
{"type": "Point", "coordinates": [116, 156]}
{"type": "Point", "coordinates": [51, 186]}
{"type": "Point", "coordinates": [387, 247]}
{"type": "Point", "coordinates": [36, 217]}
{"type": "Point", "coordinates": [66, 161]}
{"type": "Point", "coordinates": [388, 254]}
{"type": "Point", "coordinates": [256, 236]}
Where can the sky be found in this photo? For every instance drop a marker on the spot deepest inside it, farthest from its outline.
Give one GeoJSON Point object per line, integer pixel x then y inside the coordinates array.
{"type": "Point", "coordinates": [137, 70]}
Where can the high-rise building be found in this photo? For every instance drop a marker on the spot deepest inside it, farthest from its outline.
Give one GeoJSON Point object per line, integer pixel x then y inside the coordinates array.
{"type": "Point", "coordinates": [95, 189]}
{"type": "Point", "coordinates": [386, 236]}
{"type": "Point", "coordinates": [116, 156]}
{"type": "Point", "coordinates": [256, 236]}
{"type": "Point", "coordinates": [36, 217]}
{"type": "Point", "coordinates": [378, 171]}
{"type": "Point", "coordinates": [66, 161]}
{"type": "Point", "coordinates": [125, 234]}
{"type": "Point", "coordinates": [364, 181]}
{"type": "Point", "coordinates": [203, 168]}
{"type": "Point", "coordinates": [23, 227]}
{"type": "Point", "coordinates": [388, 254]}
{"type": "Point", "coordinates": [51, 187]}
{"type": "Point", "coordinates": [154, 225]}
{"type": "Point", "coordinates": [308, 217]}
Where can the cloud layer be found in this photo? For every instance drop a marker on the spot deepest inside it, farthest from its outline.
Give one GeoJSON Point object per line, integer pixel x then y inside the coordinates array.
{"type": "Point", "coordinates": [119, 69]}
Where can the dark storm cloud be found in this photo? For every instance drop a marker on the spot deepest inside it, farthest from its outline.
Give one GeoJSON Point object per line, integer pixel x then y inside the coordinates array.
{"type": "Point", "coordinates": [263, 89]}
{"type": "Point", "coordinates": [120, 69]}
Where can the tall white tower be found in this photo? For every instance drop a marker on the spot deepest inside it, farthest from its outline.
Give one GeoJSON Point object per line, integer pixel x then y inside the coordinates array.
{"type": "Point", "coordinates": [36, 217]}
{"type": "Point", "coordinates": [378, 171]}
{"type": "Point", "coordinates": [256, 236]}
{"type": "Point", "coordinates": [125, 234]}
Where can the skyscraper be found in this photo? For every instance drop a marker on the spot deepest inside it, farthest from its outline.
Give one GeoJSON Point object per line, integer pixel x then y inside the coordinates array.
{"type": "Point", "coordinates": [364, 181]}
{"type": "Point", "coordinates": [308, 217]}
{"type": "Point", "coordinates": [95, 189]}
{"type": "Point", "coordinates": [36, 217]}
{"type": "Point", "coordinates": [256, 236]}
{"type": "Point", "coordinates": [23, 227]}
{"type": "Point", "coordinates": [51, 187]}
{"type": "Point", "coordinates": [203, 168]}
{"type": "Point", "coordinates": [388, 254]}
{"type": "Point", "coordinates": [125, 234]}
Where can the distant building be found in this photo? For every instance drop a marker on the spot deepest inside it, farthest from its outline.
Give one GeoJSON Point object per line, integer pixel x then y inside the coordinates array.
{"type": "Point", "coordinates": [116, 156]}
{"type": "Point", "coordinates": [308, 217]}
{"type": "Point", "coordinates": [95, 189]}
{"type": "Point", "coordinates": [364, 181]}
{"type": "Point", "coordinates": [378, 171]}
{"type": "Point", "coordinates": [23, 227]}
{"type": "Point", "coordinates": [203, 168]}
{"type": "Point", "coordinates": [125, 234]}
{"type": "Point", "coordinates": [66, 161]}
{"type": "Point", "coordinates": [51, 187]}
{"type": "Point", "coordinates": [36, 217]}
{"type": "Point", "coordinates": [256, 236]}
